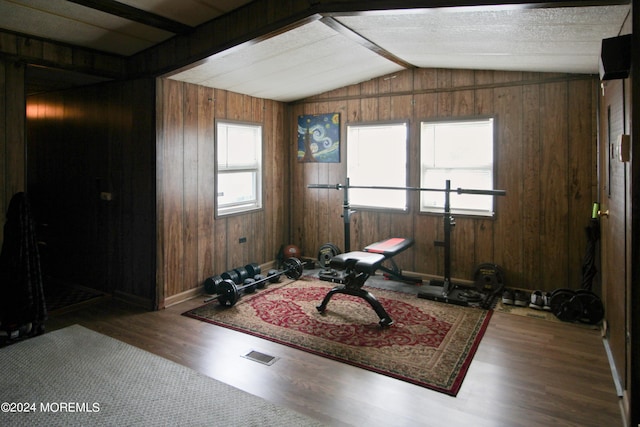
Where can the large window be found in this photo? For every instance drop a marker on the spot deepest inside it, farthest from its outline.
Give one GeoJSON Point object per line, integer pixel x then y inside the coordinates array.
{"type": "Point", "coordinates": [460, 151]}
{"type": "Point", "coordinates": [377, 156]}
{"type": "Point", "coordinates": [239, 167]}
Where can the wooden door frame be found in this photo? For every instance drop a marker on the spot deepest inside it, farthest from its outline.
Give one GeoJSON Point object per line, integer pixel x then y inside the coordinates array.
{"type": "Point", "coordinates": [634, 211]}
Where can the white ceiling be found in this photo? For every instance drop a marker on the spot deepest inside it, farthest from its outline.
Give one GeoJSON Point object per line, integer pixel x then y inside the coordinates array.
{"type": "Point", "coordinates": [315, 58]}
{"type": "Point", "coordinates": [338, 49]}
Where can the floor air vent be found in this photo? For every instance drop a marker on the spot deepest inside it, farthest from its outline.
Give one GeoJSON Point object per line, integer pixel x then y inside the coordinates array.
{"type": "Point", "coordinates": [256, 356]}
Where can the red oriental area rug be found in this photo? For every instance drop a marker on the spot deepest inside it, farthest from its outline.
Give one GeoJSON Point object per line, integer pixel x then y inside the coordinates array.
{"type": "Point", "coordinates": [430, 344]}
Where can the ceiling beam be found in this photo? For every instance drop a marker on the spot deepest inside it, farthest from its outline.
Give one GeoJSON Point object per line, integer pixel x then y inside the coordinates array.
{"type": "Point", "coordinates": [363, 41]}
{"type": "Point", "coordinates": [355, 7]}
{"type": "Point", "coordinates": [137, 15]}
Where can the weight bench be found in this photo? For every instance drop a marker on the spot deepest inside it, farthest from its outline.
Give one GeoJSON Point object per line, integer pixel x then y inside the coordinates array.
{"type": "Point", "coordinates": [356, 268]}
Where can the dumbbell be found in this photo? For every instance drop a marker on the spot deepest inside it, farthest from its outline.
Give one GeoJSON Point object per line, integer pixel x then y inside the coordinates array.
{"type": "Point", "coordinates": [238, 275]}
{"type": "Point", "coordinates": [211, 284]}
{"type": "Point", "coordinates": [229, 292]}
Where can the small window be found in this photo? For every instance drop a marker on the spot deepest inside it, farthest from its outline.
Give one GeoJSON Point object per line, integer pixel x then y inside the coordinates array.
{"type": "Point", "coordinates": [239, 167]}
{"type": "Point", "coordinates": [377, 156]}
{"type": "Point", "coordinates": [460, 151]}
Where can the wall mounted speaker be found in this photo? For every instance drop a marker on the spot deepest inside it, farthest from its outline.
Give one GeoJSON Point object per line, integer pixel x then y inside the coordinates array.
{"type": "Point", "coordinates": [615, 58]}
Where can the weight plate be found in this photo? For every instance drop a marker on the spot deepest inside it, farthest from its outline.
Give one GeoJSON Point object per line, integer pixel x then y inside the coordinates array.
{"type": "Point", "coordinates": [562, 290]}
{"type": "Point", "coordinates": [293, 268]}
{"type": "Point", "coordinates": [228, 293]}
{"type": "Point", "coordinates": [326, 252]}
{"type": "Point", "coordinates": [252, 269]}
{"type": "Point", "coordinates": [489, 278]}
{"type": "Point", "coordinates": [211, 284]}
{"type": "Point", "coordinates": [573, 310]}
{"type": "Point", "coordinates": [560, 303]}
{"type": "Point", "coordinates": [592, 307]}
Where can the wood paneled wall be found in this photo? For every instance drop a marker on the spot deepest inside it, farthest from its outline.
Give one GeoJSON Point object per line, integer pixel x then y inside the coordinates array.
{"type": "Point", "coordinates": [48, 53]}
{"type": "Point", "coordinates": [192, 243]}
{"type": "Point", "coordinates": [546, 162]}
{"type": "Point", "coordinates": [12, 139]}
{"type": "Point", "coordinates": [81, 143]}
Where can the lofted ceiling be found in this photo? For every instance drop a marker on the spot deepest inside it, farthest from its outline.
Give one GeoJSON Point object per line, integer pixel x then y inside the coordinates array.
{"type": "Point", "coordinates": [333, 50]}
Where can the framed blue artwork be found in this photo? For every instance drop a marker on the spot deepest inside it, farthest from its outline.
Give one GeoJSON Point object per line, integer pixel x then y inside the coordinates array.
{"type": "Point", "coordinates": [319, 138]}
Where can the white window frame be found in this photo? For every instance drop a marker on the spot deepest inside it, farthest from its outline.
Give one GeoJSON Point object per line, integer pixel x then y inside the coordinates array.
{"type": "Point", "coordinates": [226, 165]}
{"type": "Point", "coordinates": [378, 162]}
{"type": "Point", "coordinates": [446, 152]}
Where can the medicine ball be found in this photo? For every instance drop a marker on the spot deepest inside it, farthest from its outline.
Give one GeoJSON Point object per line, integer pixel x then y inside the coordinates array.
{"type": "Point", "coordinates": [290, 251]}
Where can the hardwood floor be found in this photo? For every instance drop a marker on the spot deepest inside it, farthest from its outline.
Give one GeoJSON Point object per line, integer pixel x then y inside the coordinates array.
{"type": "Point", "coordinates": [526, 372]}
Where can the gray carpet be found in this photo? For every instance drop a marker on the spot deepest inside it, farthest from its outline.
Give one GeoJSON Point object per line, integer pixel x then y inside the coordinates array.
{"type": "Point", "coordinates": [75, 376]}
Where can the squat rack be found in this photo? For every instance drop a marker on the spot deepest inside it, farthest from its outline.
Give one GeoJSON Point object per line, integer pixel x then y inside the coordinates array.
{"type": "Point", "coordinates": [449, 222]}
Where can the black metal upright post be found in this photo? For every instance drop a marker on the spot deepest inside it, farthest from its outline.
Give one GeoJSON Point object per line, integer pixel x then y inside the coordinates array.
{"type": "Point", "coordinates": [346, 215]}
{"type": "Point", "coordinates": [448, 223]}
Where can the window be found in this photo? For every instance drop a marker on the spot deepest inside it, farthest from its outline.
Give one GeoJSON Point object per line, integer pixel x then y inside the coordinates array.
{"type": "Point", "coordinates": [460, 151]}
{"type": "Point", "coordinates": [239, 167]}
{"type": "Point", "coordinates": [377, 156]}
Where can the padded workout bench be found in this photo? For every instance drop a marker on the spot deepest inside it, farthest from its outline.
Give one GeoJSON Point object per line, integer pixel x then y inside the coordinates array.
{"type": "Point", "coordinates": [357, 266]}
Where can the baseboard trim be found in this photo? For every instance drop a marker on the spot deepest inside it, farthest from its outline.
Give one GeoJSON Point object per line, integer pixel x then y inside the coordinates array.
{"type": "Point", "coordinates": [614, 371]}
{"type": "Point", "coordinates": [199, 291]}
{"type": "Point", "coordinates": [429, 277]}
{"type": "Point", "coordinates": [183, 296]}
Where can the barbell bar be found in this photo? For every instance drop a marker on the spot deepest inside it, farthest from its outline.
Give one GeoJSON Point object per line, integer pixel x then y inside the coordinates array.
{"type": "Point", "coordinates": [383, 187]}
{"type": "Point", "coordinates": [229, 293]}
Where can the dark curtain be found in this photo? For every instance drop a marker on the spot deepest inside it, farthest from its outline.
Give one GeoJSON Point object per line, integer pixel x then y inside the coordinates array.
{"type": "Point", "coordinates": [22, 303]}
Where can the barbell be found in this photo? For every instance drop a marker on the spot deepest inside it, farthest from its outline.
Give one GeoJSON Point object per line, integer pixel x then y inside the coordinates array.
{"type": "Point", "coordinates": [238, 275]}
{"type": "Point", "coordinates": [229, 292]}
{"type": "Point", "coordinates": [383, 187]}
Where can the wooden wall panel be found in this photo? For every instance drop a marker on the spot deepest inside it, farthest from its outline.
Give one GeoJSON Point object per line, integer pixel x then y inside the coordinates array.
{"type": "Point", "coordinates": [195, 244]}
{"type": "Point", "coordinates": [206, 184]}
{"type": "Point", "coordinates": [12, 133]}
{"type": "Point", "coordinates": [554, 203]}
{"type": "Point", "coordinates": [544, 141]}
{"type": "Point", "coordinates": [507, 233]}
{"type": "Point", "coordinates": [82, 143]}
{"type": "Point", "coordinates": [483, 234]}
{"type": "Point", "coordinates": [531, 174]}
{"type": "Point", "coordinates": [171, 187]}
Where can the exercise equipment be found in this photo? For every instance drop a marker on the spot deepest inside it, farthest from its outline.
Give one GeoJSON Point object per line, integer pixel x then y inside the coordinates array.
{"type": "Point", "coordinates": [253, 269]}
{"type": "Point", "coordinates": [234, 276]}
{"type": "Point", "coordinates": [581, 305]}
{"type": "Point", "coordinates": [229, 292]}
{"type": "Point", "coordinates": [438, 290]}
{"type": "Point", "coordinates": [445, 290]}
{"type": "Point", "coordinates": [489, 278]}
{"type": "Point", "coordinates": [211, 284]}
{"type": "Point", "coordinates": [260, 282]}
{"type": "Point", "coordinates": [326, 252]}
{"type": "Point", "coordinates": [357, 267]}
{"type": "Point", "coordinates": [392, 271]}
{"type": "Point", "coordinates": [290, 251]}
{"type": "Point", "coordinates": [388, 248]}
{"type": "Point", "coordinates": [238, 275]}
